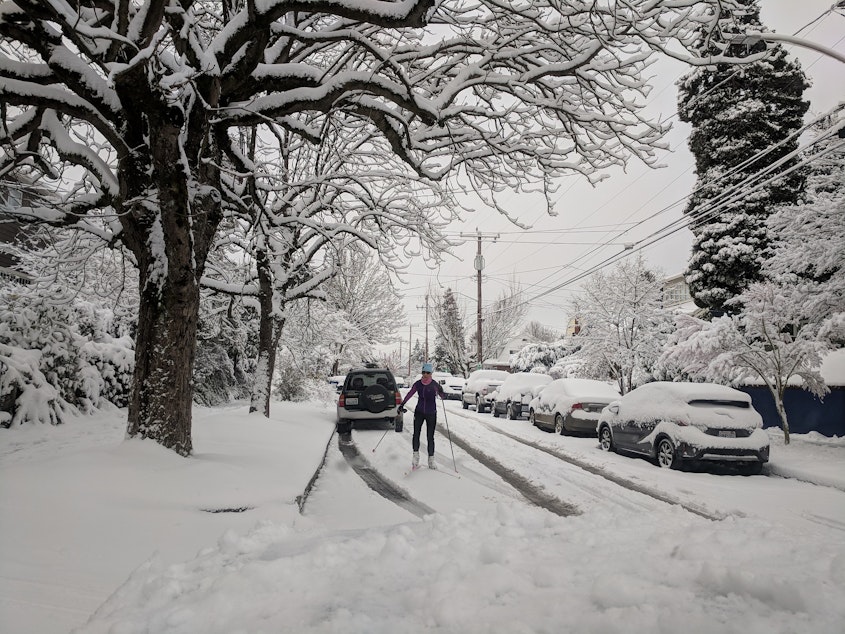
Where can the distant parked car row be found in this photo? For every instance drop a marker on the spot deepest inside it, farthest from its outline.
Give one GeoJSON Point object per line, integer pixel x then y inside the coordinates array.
{"type": "Point", "coordinates": [671, 423]}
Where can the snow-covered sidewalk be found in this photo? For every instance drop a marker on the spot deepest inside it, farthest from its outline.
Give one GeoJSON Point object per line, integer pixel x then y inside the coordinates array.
{"type": "Point", "coordinates": [125, 531]}
{"type": "Point", "coordinates": [80, 508]}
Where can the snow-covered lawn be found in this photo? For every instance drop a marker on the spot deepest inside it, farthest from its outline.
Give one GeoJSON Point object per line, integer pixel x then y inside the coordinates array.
{"type": "Point", "coordinates": [107, 535]}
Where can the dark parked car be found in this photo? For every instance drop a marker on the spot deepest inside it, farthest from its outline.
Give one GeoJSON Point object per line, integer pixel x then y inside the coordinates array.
{"type": "Point", "coordinates": [368, 396]}
{"type": "Point", "coordinates": [571, 405]}
{"type": "Point", "coordinates": [677, 422]}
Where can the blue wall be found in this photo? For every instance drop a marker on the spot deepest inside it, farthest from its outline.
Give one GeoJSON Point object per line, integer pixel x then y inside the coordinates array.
{"type": "Point", "coordinates": [804, 411]}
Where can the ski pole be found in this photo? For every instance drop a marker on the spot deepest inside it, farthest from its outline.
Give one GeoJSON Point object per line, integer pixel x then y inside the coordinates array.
{"type": "Point", "coordinates": [448, 433]}
{"type": "Point", "coordinates": [380, 439]}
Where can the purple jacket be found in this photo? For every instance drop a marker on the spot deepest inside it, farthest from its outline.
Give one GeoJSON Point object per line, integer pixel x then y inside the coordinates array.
{"type": "Point", "coordinates": [426, 396]}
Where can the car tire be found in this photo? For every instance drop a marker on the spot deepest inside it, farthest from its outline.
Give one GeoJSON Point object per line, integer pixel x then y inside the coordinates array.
{"type": "Point", "coordinates": [531, 418]}
{"type": "Point", "coordinates": [510, 411]}
{"type": "Point", "coordinates": [606, 439]}
{"type": "Point", "coordinates": [344, 427]}
{"type": "Point", "coordinates": [666, 455]}
{"type": "Point", "coordinates": [464, 404]}
{"type": "Point", "coordinates": [559, 426]}
{"type": "Point", "coordinates": [479, 405]}
{"type": "Point", "coordinates": [752, 468]}
{"type": "Point", "coordinates": [495, 411]}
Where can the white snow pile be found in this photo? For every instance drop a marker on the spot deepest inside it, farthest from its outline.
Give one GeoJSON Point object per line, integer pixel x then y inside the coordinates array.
{"type": "Point", "coordinates": [516, 569]}
{"type": "Point", "coordinates": [101, 535]}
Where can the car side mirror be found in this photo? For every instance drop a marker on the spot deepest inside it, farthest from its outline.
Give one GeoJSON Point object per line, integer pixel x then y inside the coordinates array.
{"type": "Point", "coordinates": [613, 408]}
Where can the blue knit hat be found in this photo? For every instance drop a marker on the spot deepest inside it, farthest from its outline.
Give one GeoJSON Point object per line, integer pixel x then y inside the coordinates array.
{"type": "Point", "coordinates": [427, 367]}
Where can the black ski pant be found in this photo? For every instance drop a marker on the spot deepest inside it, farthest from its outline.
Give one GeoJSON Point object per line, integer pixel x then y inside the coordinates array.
{"type": "Point", "coordinates": [430, 419]}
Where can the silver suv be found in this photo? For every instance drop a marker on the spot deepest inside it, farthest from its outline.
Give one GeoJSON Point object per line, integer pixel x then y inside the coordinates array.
{"type": "Point", "coordinates": [368, 395]}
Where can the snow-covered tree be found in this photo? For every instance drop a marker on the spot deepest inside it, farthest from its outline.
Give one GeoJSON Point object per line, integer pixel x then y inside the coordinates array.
{"type": "Point", "coordinates": [810, 238]}
{"type": "Point", "coordinates": [767, 341]}
{"type": "Point", "coordinates": [500, 323]}
{"type": "Point", "coordinates": [745, 120]}
{"type": "Point", "coordinates": [363, 293]}
{"type": "Point", "coordinates": [450, 348]}
{"type": "Point", "coordinates": [134, 113]}
{"type": "Point", "coordinates": [537, 331]}
{"type": "Point", "coordinates": [541, 356]}
{"type": "Point", "coordinates": [624, 325]}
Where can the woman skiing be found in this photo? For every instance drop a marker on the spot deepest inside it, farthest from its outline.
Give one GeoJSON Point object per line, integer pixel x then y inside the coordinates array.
{"type": "Point", "coordinates": [427, 391]}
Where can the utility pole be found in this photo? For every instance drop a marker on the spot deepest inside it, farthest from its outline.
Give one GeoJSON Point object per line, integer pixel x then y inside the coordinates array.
{"type": "Point", "coordinates": [410, 329]}
{"type": "Point", "coordinates": [426, 326]}
{"type": "Point", "coordinates": [478, 264]}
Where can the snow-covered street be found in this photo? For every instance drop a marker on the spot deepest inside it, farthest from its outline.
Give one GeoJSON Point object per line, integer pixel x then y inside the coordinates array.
{"type": "Point", "coordinates": [140, 551]}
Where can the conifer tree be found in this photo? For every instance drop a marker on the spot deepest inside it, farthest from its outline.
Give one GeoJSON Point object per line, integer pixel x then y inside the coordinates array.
{"type": "Point", "coordinates": [450, 340]}
{"type": "Point", "coordinates": [737, 111]}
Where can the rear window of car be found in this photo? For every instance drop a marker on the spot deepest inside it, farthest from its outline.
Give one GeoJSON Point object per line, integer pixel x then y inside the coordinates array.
{"type": "Point", "coordinates": [708, 402]}
{"type": "Point", "coordinates": [363, 380]}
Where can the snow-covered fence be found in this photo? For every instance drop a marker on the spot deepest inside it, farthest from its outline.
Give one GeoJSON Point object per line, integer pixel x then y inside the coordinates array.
{"type": "Point", "coordinates": [806, 411]}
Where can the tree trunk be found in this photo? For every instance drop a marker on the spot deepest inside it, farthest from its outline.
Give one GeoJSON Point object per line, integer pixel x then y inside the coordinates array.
{"type": "Point", "coordinates": [269, 332]}
{"type": "Point", "coordinates": [171, 243]}
{"type": "Point", "coordinates": [162, 390]}
{"type": "Point", "coordinates": [784, 423]}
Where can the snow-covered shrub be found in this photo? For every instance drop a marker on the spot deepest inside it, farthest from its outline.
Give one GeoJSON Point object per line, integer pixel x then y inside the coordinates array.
{"type": "Point", "coordinates": [26, 396]}
{"type": "Point", "coordinates": [226, 351]}
{"type": "Point", "coordinates": [217, 378]}
{"type": "Point", "coordinates": [57, 357]}
{"type": "Point", "coordinates": [289, 381]}
{"type": "Point", "coordinates": [539, 357]}
{"type": "Point", "coordinates": [108, 365]}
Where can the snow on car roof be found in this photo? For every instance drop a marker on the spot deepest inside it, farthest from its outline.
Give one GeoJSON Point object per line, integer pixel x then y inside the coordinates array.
{"type": "Point", "coordinates": [528, 378]}
{"type": "Point", "coordinates": [687, 392]}
{"type": "Point", "coordinates": [584, 387]}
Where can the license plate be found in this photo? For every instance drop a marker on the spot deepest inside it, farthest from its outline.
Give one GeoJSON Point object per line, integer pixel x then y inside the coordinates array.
{"type": "Point", "coordinates": [352, 400]}
{"type": "Point", "coordinates": [727, 433]}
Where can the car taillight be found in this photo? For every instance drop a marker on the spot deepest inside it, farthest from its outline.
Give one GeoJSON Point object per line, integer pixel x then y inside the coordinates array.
{"type": "Point", "coordinates": [398, 398]}
{"type": "Point", "coordinates": [341, 402]}
{"type": "Point", "coordinates": [577, 406]}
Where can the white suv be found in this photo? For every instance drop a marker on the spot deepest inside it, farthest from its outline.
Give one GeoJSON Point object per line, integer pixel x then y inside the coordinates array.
{"type": "Point", "coordinates": [480, 386]}
{"type": "Point", "coordinates": [368, 395]}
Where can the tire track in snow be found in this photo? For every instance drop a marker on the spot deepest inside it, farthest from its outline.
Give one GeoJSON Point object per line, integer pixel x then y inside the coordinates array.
{"type": "Point", "coordinates": [611, 477]}
{"type": "Point", "coordinates": [534, 494]}
{"type": "Point", "coordinates": [376, 481]}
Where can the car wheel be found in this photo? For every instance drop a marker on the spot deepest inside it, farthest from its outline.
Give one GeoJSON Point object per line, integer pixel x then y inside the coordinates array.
{"type": "Point", "coordinates": [511, 412]}
{"type": "Point", "coordinates": [495, 411]}
{"type": "Point", "coordinates": [531, 418]}
{"type": "Point", "coordinates": [667, 457]}
{"type": "Point", "coordinates": [752, 468]}
{"type": "Point", "coordinates": [464, 404]}
{"type": "Point", "coordinates": [344, 427]}
{"type": "Point", "coordinates": [605, 438]}
{"type": "Point", "coordinates": [559, 428]}
{"type": "Point", "coordinates": [479, 405]}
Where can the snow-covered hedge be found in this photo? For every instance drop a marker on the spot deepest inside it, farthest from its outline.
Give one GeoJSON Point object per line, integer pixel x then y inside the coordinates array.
{"type": "Point", "coordinates": [57, 357]}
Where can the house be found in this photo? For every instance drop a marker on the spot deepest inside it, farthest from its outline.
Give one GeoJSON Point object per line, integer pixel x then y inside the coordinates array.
{"type": "Point", "coordinates": [502, 361]}
{"type": "Point", "coordinates": [676, 295]}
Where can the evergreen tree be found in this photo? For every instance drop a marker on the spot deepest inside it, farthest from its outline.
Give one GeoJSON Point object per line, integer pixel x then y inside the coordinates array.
{"type": "Point", "coordinates": [450, 340]}
{"type": "Point", "coordinates": [737, 111]}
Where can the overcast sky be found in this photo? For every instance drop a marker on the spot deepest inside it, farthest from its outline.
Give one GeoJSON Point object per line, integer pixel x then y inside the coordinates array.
{"type": "Point", "coordinates": [590, 221]}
